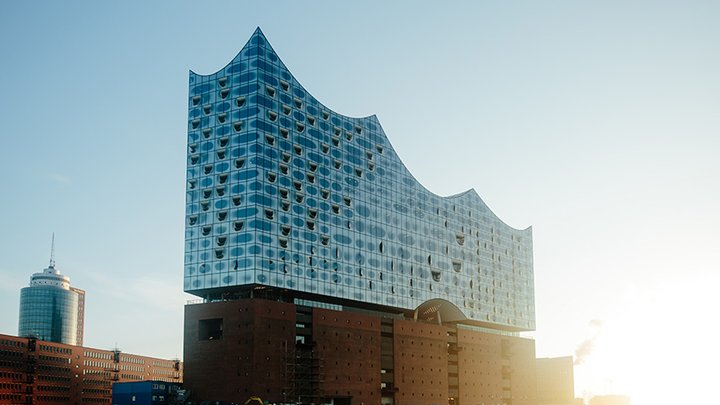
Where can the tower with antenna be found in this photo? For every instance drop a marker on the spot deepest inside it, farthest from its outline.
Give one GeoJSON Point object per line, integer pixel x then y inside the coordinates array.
{"type": "Point", "coordinates": [50, 308]}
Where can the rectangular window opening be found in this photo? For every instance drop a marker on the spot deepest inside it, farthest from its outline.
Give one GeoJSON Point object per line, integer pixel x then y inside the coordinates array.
{"type": "Point", "coordinates": [210, 329]}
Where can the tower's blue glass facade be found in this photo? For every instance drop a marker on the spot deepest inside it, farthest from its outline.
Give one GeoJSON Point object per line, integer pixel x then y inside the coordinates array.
{"type": "Point", "coordinates": [52, 310]}
{"type": "Point", "coordinates": [285, 194]}
{"type": "Point", "coordinates": [49, 313]}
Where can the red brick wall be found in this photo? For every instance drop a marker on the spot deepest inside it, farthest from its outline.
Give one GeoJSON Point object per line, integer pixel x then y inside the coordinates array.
{"type": "Point", "coordinates": [13, 367]}
{"type": "Point", "coordinates": [251, 357]}
{"type": "Point", "coordinates": [484, 371]}
{"type": "Point", "coordinates": [55, 373]}
{"type": "Point", "coordinates": [421, 361]}
{"type": "Point", "coordinates": [349, 346]}
{"type": "Point", "coordinates": [479, 366]}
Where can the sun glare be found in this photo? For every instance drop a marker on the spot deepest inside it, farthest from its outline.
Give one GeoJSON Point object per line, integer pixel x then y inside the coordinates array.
{"type": "Point", "coordinates": [659, 348]}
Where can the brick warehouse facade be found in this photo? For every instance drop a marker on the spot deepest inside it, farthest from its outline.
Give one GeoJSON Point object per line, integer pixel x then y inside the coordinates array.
{"type": "Point", "coordinates": [326, 272]}
{"type": "Point", "coordinates": [39, 372]}
{"type": "Point", "coordinates": [288, 353]}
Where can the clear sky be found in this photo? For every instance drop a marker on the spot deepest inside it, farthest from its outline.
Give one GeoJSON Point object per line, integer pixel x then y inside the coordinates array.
{"type": "Point", "coordinates": [598, 123]}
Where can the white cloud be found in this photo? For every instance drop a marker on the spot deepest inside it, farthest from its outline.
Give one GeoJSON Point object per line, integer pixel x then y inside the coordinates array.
{"type": "Point", "coordinates": [59, 178]}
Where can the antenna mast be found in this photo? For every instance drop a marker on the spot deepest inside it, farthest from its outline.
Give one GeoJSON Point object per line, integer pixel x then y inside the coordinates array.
{"type": "Point", "coordinates": [52, 251]}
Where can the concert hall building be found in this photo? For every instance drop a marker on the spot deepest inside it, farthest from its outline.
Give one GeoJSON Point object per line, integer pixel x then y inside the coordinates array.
{"type": "Point", "coordinates": [325, 272]}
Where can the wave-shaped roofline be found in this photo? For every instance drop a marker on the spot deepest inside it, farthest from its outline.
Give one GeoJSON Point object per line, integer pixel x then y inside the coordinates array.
{"type": "Point", "coordinates": [373, 117]}
{"type": "Point", "coordinates": [258, 32]}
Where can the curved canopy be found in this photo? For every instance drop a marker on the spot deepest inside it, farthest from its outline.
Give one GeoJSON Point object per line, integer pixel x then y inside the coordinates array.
{"type": "Point", "coordinates": [439, 310]}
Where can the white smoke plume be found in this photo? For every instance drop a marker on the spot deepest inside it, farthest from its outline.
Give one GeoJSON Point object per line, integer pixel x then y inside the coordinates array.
{"type": "Point", "coordinates": [586, 347]}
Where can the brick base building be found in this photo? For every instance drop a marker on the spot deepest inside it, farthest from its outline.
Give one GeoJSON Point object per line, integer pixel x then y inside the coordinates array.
{"type": "Point", "coordinates": [300, 354]}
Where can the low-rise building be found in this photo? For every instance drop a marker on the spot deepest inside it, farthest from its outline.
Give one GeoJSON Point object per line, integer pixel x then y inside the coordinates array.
{"type": "Point", "coordinates": [39, 372]}
{"type": "Point", "coordinates": [555, 381]}
{"type": "Point", "coordinates": [147, 393]}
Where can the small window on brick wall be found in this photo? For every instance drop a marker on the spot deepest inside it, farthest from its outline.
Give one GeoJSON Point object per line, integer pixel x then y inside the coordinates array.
{"type": "Point", "coordinates": [210, 329]}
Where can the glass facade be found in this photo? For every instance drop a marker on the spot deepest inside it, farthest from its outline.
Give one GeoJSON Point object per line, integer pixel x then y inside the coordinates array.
{"type": "Point", "coordinates": [50, 309]}
{"type": "Point", "coordinates": [285, 193]}
{"type": "Point", "coordinates": [49, 313]}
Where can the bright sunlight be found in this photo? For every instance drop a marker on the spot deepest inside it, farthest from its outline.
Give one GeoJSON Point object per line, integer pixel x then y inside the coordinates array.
{"type": "Point", "coordinates": [660, 347]}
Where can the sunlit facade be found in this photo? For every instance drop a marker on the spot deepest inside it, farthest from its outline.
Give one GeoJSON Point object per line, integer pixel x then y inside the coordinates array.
{"type": "Point", "coordinates": [306, 236]}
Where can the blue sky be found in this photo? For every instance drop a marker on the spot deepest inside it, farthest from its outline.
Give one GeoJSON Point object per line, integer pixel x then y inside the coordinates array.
{"type": "Point", "coordinates": [597, 123]}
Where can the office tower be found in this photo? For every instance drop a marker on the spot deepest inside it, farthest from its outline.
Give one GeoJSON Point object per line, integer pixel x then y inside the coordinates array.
{"type": "Point", "coordinates": [50, 309]}
{"type": "Point", "coordinates": [324, 266]}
